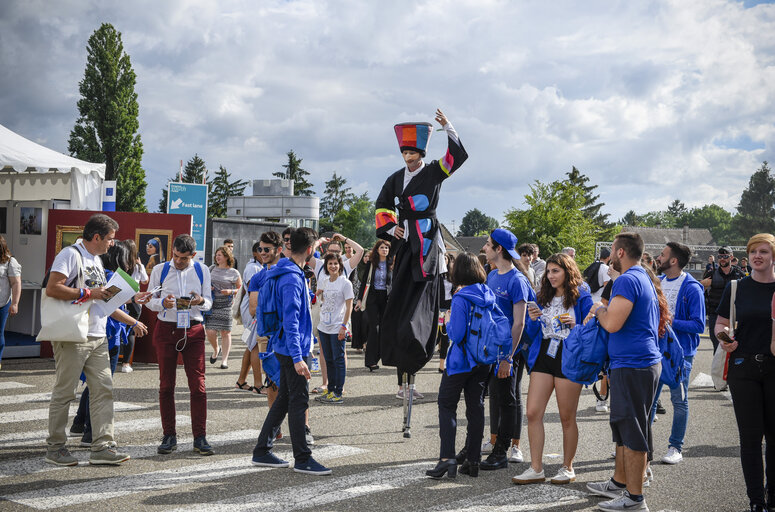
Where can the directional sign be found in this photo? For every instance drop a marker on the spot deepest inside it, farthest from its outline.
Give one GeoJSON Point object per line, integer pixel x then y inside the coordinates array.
{"type": "Point", "coordinates": [191, 198]}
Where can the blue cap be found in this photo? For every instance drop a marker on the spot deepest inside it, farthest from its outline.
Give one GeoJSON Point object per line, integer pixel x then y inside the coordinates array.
{"type": "Point", "coordinates": [507, 240]}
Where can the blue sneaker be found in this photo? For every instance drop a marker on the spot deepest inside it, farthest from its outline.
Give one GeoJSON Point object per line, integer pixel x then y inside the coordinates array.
{"type": "Point", "coordinates": [269, 460]}
{"type": "Point", "coordinates": [311, 467]}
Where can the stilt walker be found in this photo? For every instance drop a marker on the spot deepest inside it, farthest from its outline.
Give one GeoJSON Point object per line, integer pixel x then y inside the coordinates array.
{"type": "Point", "coordinates": [406, 216]}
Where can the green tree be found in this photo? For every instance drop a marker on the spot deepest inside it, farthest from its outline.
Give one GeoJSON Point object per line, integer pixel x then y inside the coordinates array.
{"type": "Point", "coordinates": [195, 171]}
{"type": "Point", "coordinates": [592, 207]}
{"type": "Point", "coordinates": [294, 171]}
{"type": "Point", "coordinates": [554, 218]}
{"type": "Point", "coordinates": [756, 210]}
{"type": "Point", "coordinates": [679, 212]}
{"type": "Point", "coordinates": [357, 221]}
{"type": "Point", "coordinates": [107, 124]}
{"type": "Point", "coordinates": [630, 219]}
{"type": "Point", "coordinates": [221, 189]}
{"type": "Point", "coordinates": [714, 218]}
{"type": "Point", "coordinates": [336, 198]}
{"type": "Point", "coordinates": [658, 219]}
{"type": "Point", "coordinates": [476, 223]}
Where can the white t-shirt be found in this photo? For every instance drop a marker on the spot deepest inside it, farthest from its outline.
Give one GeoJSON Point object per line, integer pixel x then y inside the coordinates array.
{"type": "Point", "coordinates": [602, 279]}
{"type": "Point", "coordinates": [66, 262]}
{"type": "Point", "coordinates": [332, 306]}
{"type": "Point", "coordinates": [139, 274]}
{"type": "Point", "coordinates": [550, 321]}
{"type": "Point", "coordinates": [671, 287]}
{"type": "Point", "coordinates": [320, 265]}
{"type": "Point", "coordinates": [9, 269]}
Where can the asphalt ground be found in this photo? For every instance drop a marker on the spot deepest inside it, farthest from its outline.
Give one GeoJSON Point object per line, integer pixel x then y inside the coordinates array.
{"type": "Point", "coordinates": [374, 467]}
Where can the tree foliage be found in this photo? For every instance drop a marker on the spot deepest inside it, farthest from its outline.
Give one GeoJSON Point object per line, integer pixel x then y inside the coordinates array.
{"type": "Point", "coordinates": [591, 205]}
{"type": "Point", "coordinates": [714, 218]}
{"type": "Point", "coordinates": [294, 171]}
{"type": "Point", "coordinates": [756, 210]}
{"type": "Point", "coordinates": [107, 124]}
{"type": "Point", "coordinates": [221, 189]}
{"type": "Point", "coordinates": [195, 171]}
{"type": "Point", "coordinates": [336, 198]}
{"type": "Point", "coordinates": [476, 223]}
{"type": "Point", "coordinates": [357, 221]}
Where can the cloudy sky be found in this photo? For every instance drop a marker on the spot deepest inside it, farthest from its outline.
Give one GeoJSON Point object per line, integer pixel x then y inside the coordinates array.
{"type": "Point", "coordinates": [652, 100]}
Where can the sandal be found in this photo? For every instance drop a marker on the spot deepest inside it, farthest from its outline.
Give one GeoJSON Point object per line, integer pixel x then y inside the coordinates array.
{"type": "Point", "coordinates": [244, 386]}
{"type": "Point", "coordinates": [260, 390]}
{"type": "Point", "coordinates": [319, 389]}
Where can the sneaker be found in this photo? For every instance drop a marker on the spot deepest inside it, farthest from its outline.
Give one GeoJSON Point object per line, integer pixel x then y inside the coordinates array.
{"type": "Point", "coordinates": [168, 445]}
{"type": "Point", "coordinates": [269, 460]}
{"type": "Point", "coordinates": [529, 476]}
{"type": "Point", "coordinates": [322, 397]}
{"type": "Point", "coordinates": [660, 409]}
{"type": "Point", "coordinates": [648, 477]}
{"type": "Point", "coordinates": [311, 467]}
{"type": "Point", "coordinates": [673, 456]}
{"type": "Point", "coordinates": [308, 435]}
{"type": "Point", "coordinates": [602, 406]}
{"type": "Point", "coordinates": [487, 447]}
{"type": "Point", "coordinates": [76, 430]}
{"type": "Point", "coordinates": [515, 454]}
{"type": "Point", "coordinates": [61, 457]}
{"type": "Point", "coordinates": [86, 439]}
{"type": "Point", "coordinates": [108, 456]}
{"type": "Point", "coordinates": [564, 476]}
{"type": "Point", "coordinates": [607, 489]}
{"type": "Point", "coordinates": [333, 399]}
{"type": "Point", "coordinates": [416, 394]}
{"type": "Point", "coordinates": [400, 394]}
{"type": "Point", "coordinates": [494, 461]}
{"type": "Point", "coordinates": [202, 447]}
{"type": "Point", "coordinates": [126, 368]}
{"type": "Point", "coordinates": [623, 502]}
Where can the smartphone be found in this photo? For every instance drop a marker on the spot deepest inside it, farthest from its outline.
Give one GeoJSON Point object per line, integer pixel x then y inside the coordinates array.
{"type": "Point", "coordinates": [183, 302]}
{"type": "Point", "coordinates": [532, 304]}
{"type": "Point", "coordinates": [723, 336]}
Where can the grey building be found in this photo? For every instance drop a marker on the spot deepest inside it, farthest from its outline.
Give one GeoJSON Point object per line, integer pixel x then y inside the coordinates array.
{"type": "Point", "coordinates": [273, 201]}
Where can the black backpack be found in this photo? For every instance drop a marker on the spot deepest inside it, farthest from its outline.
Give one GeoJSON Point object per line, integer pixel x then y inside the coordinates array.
{"type": "Point", "coordinates": [590, 276]}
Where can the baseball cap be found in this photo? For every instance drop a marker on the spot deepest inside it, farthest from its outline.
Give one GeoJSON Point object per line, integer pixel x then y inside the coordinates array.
{"type": "Point", "coordinates": [725, 250]}
{"type": "Point", "coordinates": [507, 240]}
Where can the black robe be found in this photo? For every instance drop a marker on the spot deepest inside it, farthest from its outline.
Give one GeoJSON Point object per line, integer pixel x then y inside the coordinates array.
{"type": "Point", "coordinates": [409, 326]}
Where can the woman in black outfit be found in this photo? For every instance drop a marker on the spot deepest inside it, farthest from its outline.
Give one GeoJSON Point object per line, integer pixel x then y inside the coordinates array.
{"type": "Point", "coordinates": [358, 318]}
{"type": "Point", "coordinates": [377, 278]}
{"type": "Point", "coordinates": [751, 375]}
{"type": "Point", "coordinates": [445, 300]}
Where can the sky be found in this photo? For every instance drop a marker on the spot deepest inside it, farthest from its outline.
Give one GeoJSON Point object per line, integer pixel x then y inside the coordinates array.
{"type": "Point", "coordinates": [652, 100]}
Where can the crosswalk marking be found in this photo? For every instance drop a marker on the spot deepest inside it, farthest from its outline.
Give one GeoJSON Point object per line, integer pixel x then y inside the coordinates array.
{"type": "Point", "coordinates": [14, 385]}
{"type": "Point", "coordinates": [517, 498]}
{"type": "Point", "coordinates": [113, 487]}
{"type": "Point", "coordinates": [42, 414]}
{"type": "Point", "coordinates": [25, 399]}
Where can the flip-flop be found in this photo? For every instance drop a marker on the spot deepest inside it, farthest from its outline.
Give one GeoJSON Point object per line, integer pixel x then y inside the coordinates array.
{"type": "Point", "coordinates": [244, 386]}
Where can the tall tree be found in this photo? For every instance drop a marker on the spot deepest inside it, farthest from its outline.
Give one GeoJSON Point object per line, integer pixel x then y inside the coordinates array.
{"type": "Point", "coordinates": [107, 124]}
{"type": "Point", "coordinates": [679, 212]}
{"type": "Point", "coordinates": [476, 223]}
{"type": "Point", "coordinates": [294, 171]}
{"type": "Point", "coordinates": [195, 171]}
{"type": "Point", "coordinates": [357, 221]}
{"type": "Point", "coordinates": [756, 211]}
{"type": "Point", "coordinates": [336, 198]}
{"type": "Point", "coordinates": [630, 219]}
{"type": "Point", "coordinates": [591, 205]}
{"type": "Point", "coordinates": [714, 218]}
{"type": "Point", "coordinates": [221, 189]}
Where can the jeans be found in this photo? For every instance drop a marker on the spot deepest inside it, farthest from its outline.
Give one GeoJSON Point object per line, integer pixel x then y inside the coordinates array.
{"type": "Point", "coordinates": [82, 416]}
{"type": "Point", "coordinates": [333, 352]}
{"type": "Point", "coordinates": [680, 398]}
{"type": "Point", "coordinates": [472, 385]}
{"type": "Point", "coordinates": [506, 404]}
{"type": "Point", "coordinates": [3, 317]}
{"type": "Point", "coordinates": [293, 400]}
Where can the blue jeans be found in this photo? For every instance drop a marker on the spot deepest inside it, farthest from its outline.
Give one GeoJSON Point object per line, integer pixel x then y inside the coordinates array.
{"type": "Point", "coordinates": [679, 396]}
{"type": "Point", "coordinates": [3, 317]}
{"type": "Point", "coordinates": [333, 352]}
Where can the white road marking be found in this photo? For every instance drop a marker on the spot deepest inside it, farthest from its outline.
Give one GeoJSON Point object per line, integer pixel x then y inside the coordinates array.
{"type": "Point", "coordinates": [14, 385]}
{"type": "Point", "coordinates": [517, 498]}
{"type": "Point", "coordinates": [42, 414]}
{"type": "Point", "coordinates": [25, 399]}
{"type": "Point", "coordinates": [114, 487]}
{"type": "Point", "coordinates": [702, 380]}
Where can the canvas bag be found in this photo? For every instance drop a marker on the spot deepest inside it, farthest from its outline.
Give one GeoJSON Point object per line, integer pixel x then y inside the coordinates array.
{"type": "Point", "coordinates": [61, 320]}
{"type": "Point", "coordinates": [366, 290]}
{"type": "Point", "coordinates": [720, 364]}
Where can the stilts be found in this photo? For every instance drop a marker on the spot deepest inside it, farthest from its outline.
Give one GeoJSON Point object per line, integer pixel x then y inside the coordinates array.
{"type": "Point", "coordinates": [408, 388]}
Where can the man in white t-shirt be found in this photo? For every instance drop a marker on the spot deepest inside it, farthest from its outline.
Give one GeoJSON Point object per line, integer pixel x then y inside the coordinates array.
{"type": "Point", "coordinates": [91, 356]}
{"type": "Point", "coordinates": [602, 274]}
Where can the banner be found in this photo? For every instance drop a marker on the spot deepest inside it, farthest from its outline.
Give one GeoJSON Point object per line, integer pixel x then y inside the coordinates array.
{"type": "Point", "coordinates": [191, 198]}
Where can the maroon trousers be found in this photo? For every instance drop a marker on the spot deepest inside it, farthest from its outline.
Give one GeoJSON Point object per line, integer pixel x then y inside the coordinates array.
{"type": "Point", "coordinates": [166, 336]}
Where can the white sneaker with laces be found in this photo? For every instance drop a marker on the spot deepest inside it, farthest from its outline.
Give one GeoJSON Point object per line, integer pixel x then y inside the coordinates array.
{"type": "Point", "coordinates": [602, 406]}
{"type": "Point", "coordinates": [673, 456]}
{"type": "Point", "coordinates": [564, 476]}
{"type": "Point", "coordinates": [648, 477]}
{"type": "Point", "coordinates": [606, 489]}
{"type": "Point", "coordinates": [125, 368]}
{"type": "Point", "coordinates": [529, 476]}
{"type": "Point", "coordinates": [623, 502]}
{"type": "Point", "coordinates": [487, 447]}
{"type": "Point", "coordinates": [416, 394]}
{"type": "Point", "coordinates": [400, 394]}
{"type": "Point", "coordinates": [515, 454]}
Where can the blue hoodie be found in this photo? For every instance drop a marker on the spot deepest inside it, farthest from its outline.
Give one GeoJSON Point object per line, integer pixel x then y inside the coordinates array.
{"type": "Point", "coordinates": [293, 305]}
{"type": "Point", "coordinates": [458, 360]}
{"type": "Point", "coordinates": [689, 319]}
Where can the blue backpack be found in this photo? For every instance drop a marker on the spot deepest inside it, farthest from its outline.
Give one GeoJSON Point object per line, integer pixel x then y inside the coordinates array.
{"type": "Point", "coordinates": [489, 334]}
{"type": "Point", "coordinates": [268, 323]}
{"type": "Point", "coordinates": [584, 352]}
{"type": "Point", "coordinates": [166, 270]}
{"type": "Point", "coordinates": [674, 367]}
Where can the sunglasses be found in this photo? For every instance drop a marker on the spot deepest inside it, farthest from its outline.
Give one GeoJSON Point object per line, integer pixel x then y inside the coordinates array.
{"type": "Point", "coordinates": [286, 240]}
{"type": "Point", "coordinates": [264, 249]}
{"type": "Point", "coordinates": [724, 256]}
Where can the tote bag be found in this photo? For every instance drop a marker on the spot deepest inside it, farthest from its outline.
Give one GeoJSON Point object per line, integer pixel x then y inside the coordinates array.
{"type": "Point", "coordinates": [720, 364]}
{"type": "Point", "coordinates": [61, 320]}
{"type": "Point", "coordinates": [366, 290]}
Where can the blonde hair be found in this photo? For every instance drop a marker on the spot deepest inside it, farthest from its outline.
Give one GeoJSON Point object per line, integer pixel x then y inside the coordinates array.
{"type": "Point", "coordinates": [761, 238]}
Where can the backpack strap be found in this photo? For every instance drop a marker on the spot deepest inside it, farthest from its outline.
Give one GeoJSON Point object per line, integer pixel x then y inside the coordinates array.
{"type": "Point", "coordinates": [166, 270]}
{"type": "Point", "coordinates": [199, 272]}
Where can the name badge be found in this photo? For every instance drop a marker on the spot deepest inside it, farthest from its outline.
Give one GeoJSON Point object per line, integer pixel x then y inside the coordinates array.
{"type": "Point", "coordinates": [184, 319]}
{"type": "Point", "coordinates": [554, 344]}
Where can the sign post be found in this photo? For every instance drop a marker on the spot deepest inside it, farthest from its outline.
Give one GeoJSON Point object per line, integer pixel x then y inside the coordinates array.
{"type": "Point", "coordinates": [191, 198]}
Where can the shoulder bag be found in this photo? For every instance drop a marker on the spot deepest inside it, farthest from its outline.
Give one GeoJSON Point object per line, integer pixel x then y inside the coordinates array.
{"type": "Point", "coordinates": [720, 364]}
{"type": "Point", "coordinates": [61, 320]}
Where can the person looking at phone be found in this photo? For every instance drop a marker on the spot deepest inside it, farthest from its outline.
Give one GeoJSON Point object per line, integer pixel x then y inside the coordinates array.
{"type": "Point", "coordinates": [751, 375]}
{"type": "Point", "coordinates": [184, 294]}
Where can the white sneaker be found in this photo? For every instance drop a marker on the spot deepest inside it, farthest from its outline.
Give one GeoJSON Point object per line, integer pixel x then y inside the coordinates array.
{"type": "Point", "coordinates": [529, 476]}
{"type": "Point", "coordinates": [602, 406]}
{"type": "Point", "coordinates": [487, 447]}
{"type": "Point", "coordinates": [648, 477]}
{"type": "Point", "coordinates": [606, 489]}
{"type": "Point", "coordinates": [564, 476]}
{"type": "Point", "coordinates": [515, 454]}
{"type": "Point", "coordinates": [673, 456]}
{"type": "Point", "coordinates": [125, 368]}
{"type": "Point", "coordinates": [416, 394]}
{"type": "Point", "coordinates": [400, 394]}
{"type": "Point", "coordinates": [308, 436]}
{"type": "Point", "coordinates": [623, 502]}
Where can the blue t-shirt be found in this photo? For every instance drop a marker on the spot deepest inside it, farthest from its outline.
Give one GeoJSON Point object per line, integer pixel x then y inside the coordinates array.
{"type": "Point", "coordinates": [253, 284]}
{"type": "Point", "coordinates": [635, 345]}
{"type": "Point", "coordinates": [509, 289]}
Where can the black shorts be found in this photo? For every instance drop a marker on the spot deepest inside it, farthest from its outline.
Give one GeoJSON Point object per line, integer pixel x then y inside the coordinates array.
{"type": "Point", "coordinates": [547, 364]}
{"type": "Point", "coordinates": [632, 392]}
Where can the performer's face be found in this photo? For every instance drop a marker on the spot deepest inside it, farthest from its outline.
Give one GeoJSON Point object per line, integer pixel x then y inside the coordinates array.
{"type": "Point", "coordinates": [412, 159]}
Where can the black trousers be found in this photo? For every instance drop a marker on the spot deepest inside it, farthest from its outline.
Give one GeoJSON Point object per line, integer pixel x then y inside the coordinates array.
{"type": "Point", "coordinates": [375, 308]}
{"type": "Point", "coordinates": [506, 405]}
{"type": "Point", "coordinates": [360, 328]}
{"type": "Point", "coordinates": [293, 400]}
{"type": "Point", "coordinates": [711, 330]}
{"type": "Point", "coordinates": [472, 384]}
{"type": "Point", "coordinates": [752, 385]}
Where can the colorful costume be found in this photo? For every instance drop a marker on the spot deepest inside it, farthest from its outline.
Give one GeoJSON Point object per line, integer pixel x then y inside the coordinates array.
{"type": "Point", "coordinates": [409, 200]}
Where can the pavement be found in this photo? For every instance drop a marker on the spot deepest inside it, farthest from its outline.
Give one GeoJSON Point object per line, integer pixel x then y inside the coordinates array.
{"type": "Point", "coordinates": [374, 467]}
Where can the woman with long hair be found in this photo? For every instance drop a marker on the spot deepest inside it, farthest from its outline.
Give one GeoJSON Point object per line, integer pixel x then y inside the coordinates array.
{"type": "Point", "coordinates": [226, 283]}
{"type": "Point", "coordinates": [751, 375]}
{"type": "Point", "coordinates": [561, 303]}
{"type": "Point", "coordinates": [155, 251]}
{"type": "Point", "coordinates": [445, 302]}
{"type": "Point", "coordinates": [378, 282]}
{"type": "Point", "coordinates": [359, 320]}
{"type": "Point", "coordinates": [10, 289]}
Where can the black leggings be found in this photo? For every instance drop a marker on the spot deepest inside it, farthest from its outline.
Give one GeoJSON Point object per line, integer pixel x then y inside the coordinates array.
{"type": "Point", "coordinates": [375, 307]}
{"type": "Point", "coordinates": [752, 385]}
{"type": "Point", "coordinates": [506, 400]}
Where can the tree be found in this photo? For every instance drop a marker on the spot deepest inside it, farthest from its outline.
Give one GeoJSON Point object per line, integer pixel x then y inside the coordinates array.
{"type": "Point", "coordinates": [357, 221]}
{"type": "Point", "coordinates": [756, 211]}
{"type": "Point", "coordinates": [294, 171]}
{"type": "Point", "coordinates": [714, 218]}
{"type": "Point", "coordinates": [195, 171]}
{"type": "Point", "coordinates": [476, 223]}
{"type": "Point", "coordinates": [107, 124]}
{"type": "Point", "coordinates": [591, 206]}
{"type": "Point", "coordinates": [221, 189]}
{"type": "Point", "coordinates": [658, 219]}
{"type": "Point", "coordinates": [554, 218]}
{"type": "Point", "coordinates": [678, 211]}
{"type": "Point", "coordinates": [630, 219]}
{"type": "Point", "coordinates": [336, 198]}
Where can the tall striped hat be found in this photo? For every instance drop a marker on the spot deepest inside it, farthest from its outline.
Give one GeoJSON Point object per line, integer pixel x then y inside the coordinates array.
{"type": "Point", "coordinates": [414, 136]}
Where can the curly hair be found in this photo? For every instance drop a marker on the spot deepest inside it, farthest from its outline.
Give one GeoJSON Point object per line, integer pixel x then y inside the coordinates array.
{"type": "Point", "coordinates": [664, 308]}
{"type": "Point", "coordinates": [336, 257]}
{"type": "Point", "coordinates": [226, 254]}
{"type": "Point", "coordinates": [573, 281]}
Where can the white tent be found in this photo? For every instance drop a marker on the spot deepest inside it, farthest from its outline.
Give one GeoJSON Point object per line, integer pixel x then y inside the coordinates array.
{"type": "Point", "coordinates": [31, 172]}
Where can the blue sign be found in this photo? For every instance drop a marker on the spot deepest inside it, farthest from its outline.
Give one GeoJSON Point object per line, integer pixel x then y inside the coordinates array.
{"type": "Point", "coordinates": [191, 198]}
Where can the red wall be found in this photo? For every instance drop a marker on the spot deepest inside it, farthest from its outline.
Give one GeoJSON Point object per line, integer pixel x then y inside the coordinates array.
{"type": "Point", "coordinates": [128, 223]}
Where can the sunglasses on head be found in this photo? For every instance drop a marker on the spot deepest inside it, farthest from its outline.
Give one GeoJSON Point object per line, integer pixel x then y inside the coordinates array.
{"type": "Point", "coordinates": [264, 249]}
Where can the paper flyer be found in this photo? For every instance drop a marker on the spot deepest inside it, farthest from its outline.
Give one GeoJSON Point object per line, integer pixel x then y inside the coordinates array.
{"type": "Point", "coordinates": [124, 287]}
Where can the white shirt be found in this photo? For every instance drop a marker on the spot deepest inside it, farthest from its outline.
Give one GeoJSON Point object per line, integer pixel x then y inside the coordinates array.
{"type": "Point", "coordinates": [251, 269]}
{"type": "Point", "coordinates": [139, 274]}
{"type": "Point", "coordinates": [66, 263]}
{"type": "Point", "coordinates": [671, 287]}
{"type": "Point", "coordinates": [320, 267]}
{"type": "Point", "coordinates": [550, 319]}
{"type": "Point", "coordinates": [602, 279]}
{"type": "Point", "coordinates": [332, 307]}
{"type": "Point", "coordinates": [180, 283]}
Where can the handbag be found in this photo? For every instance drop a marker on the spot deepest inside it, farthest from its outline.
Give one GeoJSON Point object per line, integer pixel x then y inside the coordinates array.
{"type": "Point", "coordinates": [61, 320]}
{"type": "Point", "coordinates": [366, 289]}
{"type": "Point", "coordinates": [720, 365]}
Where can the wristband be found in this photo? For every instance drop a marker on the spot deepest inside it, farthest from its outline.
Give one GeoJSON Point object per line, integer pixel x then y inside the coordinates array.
{"type": "Point", "coordinates": [344, 325]}
{"type": "Point", "coordinates": [136, 322]}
